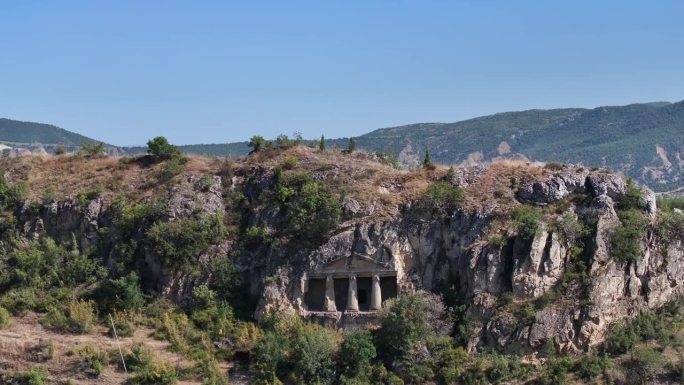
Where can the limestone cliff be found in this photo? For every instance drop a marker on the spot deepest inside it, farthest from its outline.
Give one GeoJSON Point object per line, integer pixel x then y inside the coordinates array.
{"type": "Point", "coordinates": [521, 290]}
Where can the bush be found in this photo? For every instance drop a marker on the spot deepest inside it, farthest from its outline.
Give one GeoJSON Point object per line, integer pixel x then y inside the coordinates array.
{"type": "Point", "coordinates": [4, 317]}
{"type": "Point", "coordinates": [36, 376]}
{"type": "Point", "coordinates": [356, 353]}
{"type": "Point", "coordinates": [646, 326]}
{"type": "Point", "coordinates": [79, 317]}
{"type": "Point", "coordinates": [591, 366]}
{"type": "Point", "coordinates": [312, 355]}
{"type": "Point", "coordinates": [92, 149]}
{"type": "Point", "coordinates": [171, 168]}
{"type": "Point", "coordinates": [526, 220]}
{"type": "Point", "coordinates": [156, 374]}
{"type": "Point", "coordinates": [256, 236]}
{"type": "Point", "coordinates": [311, 210]}
{"type": "Point", "coordinates": [120, 294]}
{"type": "Point", "coordinates": [161, 149]}
{"type": "Point", "coordinates": [94, 361]}
{"type": "Point", "coordinates": [11, 196]}
{"type": "Point", "coordinates": [625, 240]}
{"type": "Point", "coordinates": [179, 243]}
{"type": "Point", "coordinates": [124, 327]}
{"type": "Point", "coordinates": [570, 229]}
{"type": "Point", "coordinates": [556, 372]}
{"type": "Point", "coordinates": [408, 324]}
{"type": "Point", "coordinates": [670, 226]}
{"type": "Point", "coordinates": [646, 362]}
{"type": "Point", "coordinates": [633, 198]}
{"type": "Point", "coordinates": [440, 198]}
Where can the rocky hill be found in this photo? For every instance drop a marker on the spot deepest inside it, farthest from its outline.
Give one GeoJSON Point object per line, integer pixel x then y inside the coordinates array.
{"type": "Point", "coordinates": [643, 141]}
{"type": "Point", "coordinates": [527, 261]}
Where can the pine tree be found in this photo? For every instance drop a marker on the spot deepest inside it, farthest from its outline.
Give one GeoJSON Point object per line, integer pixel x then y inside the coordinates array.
{"type": "Point", "coordinates": [352, 146]}
{"type": "Point", "coordinates": [427, 161]}
{"type": "Point", "coordinates": [321, 144]}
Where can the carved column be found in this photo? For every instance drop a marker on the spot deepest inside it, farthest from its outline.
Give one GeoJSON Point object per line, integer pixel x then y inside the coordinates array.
{"type": "Point", "coordinates": [330, 294]}
{"type": "Point", "coordinates": [352, 300]}
{"type": "Point", "coordinates": [376, 294]}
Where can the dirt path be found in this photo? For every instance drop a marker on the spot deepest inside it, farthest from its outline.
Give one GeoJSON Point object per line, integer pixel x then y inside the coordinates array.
{"type": "Point", "coordinates": [21, 341]}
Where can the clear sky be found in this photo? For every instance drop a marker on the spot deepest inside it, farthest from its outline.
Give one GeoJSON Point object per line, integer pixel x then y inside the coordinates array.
{"type": "Point", "coordinates": [216, 71]}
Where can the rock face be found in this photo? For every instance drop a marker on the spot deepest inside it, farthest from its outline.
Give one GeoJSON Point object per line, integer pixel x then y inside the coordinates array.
{"type": "Point", "coordinates": [434, 253]}
{"type": "Point", "coordinates": [464, 252]}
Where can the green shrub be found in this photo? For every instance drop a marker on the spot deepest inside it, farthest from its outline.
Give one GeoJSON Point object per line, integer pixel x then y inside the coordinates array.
{"type": "Point", "coordinates": [633, 198]}
{"type": "Point", "coordinates": [156, 374]}
{"type": "Point", "coordinates": [124, 327]}
{"type": "Point", "coordinates": [4, 317]}
{"type": "Point", "coordinates": [505, 369]}
{"type": "Point", "coordinates": [591, 366]}
{"type": "Point", "coordinates": [670, 226]}
{"type": "Point", "coordinates": [270, 357]}
{"type": "Point", "coordinates": [625, 240]}
{"type": "Point", "coordinates": [311, 210]}
{"type": "Point", "coordinates": [179, 243]}
{"type": "Point", "coordinates": [646, 326]}
{"type": "Point", "coordinates": [570, 229]}
{"type": "Point", "coordinates": [139, 359]}
{"type": "Point", "coordinates": [526, 220]}
{"type": "Point", "coordinates": [312, 355]}
{"type": "Point", "coordinates": [646, 362]}
{"type": "Point", "coordinates": [356, 353]}
{"type": "Point", "coordinates": [36, 376]}
{"type": "Point", "coordinates": [94, 361]}
{"type": "Point", "coordinates": [440, 198]}
{"type": "Point", "coordinates": [171, 168]}
{"type": "Point", "coordinates": [120, 294]}
{"type": "Point", "coordinates": [289, 162]}
{"type": "Point", "coordinates": [78, 317]}
{"type": "Point", "coordinates": [92, 149]}
{"type": "Point", "coordinates": [19, 300]}
{"type": "Point", "coordinates": [556, 372]}
{"type": "Point", "coordinates": [669, 203]}
{"type": "Point", "coordinates": [256, 236]}
{"type": "Point", "coordinates": [11, 196]}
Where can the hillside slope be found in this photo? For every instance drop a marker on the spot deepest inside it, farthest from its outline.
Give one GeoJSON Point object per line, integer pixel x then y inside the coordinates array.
{"type": "Point", "coordinates": [644, 141]}
{"type": "Point", "coordinates": [17, 132]}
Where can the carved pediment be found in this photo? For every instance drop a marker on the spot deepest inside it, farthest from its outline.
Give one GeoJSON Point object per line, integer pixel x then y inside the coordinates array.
{"type": "Point", "coordinates": [355, 264]}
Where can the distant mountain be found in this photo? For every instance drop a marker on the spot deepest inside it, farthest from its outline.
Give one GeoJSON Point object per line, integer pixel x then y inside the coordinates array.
{"type": "Point", "coordinates": [29, 133]}
{"type": "Point", "coordinates": [644, 141]}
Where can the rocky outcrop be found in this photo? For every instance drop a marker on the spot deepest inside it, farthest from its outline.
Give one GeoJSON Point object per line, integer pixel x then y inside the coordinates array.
{"type": "Point", "coordinates": [437, 253]}
{"type": "Point", "coordinates": [472, 252]}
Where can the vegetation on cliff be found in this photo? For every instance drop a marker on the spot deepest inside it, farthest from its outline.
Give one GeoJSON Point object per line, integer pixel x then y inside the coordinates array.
{"type": "Point", "coordinates": [171, 245]}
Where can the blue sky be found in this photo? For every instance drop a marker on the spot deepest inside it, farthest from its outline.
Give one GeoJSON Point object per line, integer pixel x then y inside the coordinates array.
{"type": "Point", "coordinates": [216, 71]}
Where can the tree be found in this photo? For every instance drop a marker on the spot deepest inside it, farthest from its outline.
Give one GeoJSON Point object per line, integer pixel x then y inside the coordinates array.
{"type": "Point", "coordinates": [161, 149]}
{"type": "Point", "coordinates": [257, 143]}
{"type": "Point", "coordinates": [427, 161]}
{"type": "Point", "coordinates": [321, 144]}
{"type": "Point", "coordinates": [352, 146]}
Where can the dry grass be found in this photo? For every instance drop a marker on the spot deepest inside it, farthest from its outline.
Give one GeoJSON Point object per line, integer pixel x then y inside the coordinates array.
{"type": "Point", "coordinates": [21, 342]}
{"type": "Point", "coordinates": [358, 176]}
